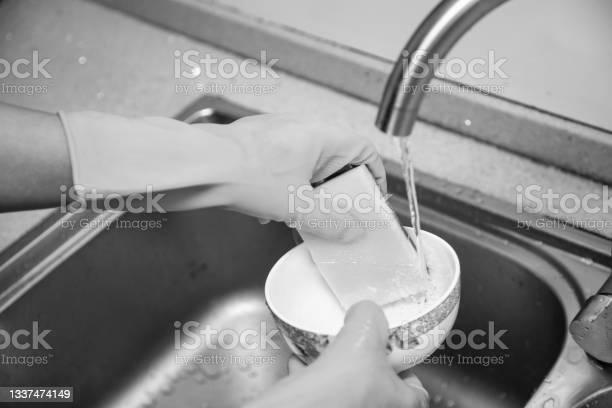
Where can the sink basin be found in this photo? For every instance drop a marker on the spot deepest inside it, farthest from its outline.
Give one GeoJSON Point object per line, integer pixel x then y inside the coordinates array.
{"type": "Point", "coordinates": [113, 308]}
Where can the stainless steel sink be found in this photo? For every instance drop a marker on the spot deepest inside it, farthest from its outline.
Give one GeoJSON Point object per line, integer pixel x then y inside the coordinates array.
{"type": "Point", "coordinates": [113, 304]}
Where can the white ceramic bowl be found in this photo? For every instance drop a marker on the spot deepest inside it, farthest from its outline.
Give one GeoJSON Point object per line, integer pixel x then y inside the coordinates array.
{"type": "Point", "coordinates": [309, 316]}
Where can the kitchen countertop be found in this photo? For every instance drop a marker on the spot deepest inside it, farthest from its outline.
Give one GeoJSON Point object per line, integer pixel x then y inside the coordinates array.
{"type": "Point", "coordinates": [556, 52]}
{"type": "Point", "coordinates": [101, 59]}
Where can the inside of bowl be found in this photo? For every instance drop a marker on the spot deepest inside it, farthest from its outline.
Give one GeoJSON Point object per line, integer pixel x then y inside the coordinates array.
{"type": "Point", "coordinates": [297, 293]}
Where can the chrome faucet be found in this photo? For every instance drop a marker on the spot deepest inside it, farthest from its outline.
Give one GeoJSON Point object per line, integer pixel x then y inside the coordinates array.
{"type": "Point", "coordinates": [415, 67]}
{"type": "Point", "coordinates": [402, 97]}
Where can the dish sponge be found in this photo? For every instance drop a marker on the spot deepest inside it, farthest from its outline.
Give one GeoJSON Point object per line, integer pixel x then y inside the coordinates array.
{"type": "Point", "coordinates": [380, 264]}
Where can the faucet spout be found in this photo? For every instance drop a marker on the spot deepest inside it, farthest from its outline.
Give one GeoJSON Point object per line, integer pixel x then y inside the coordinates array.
{"type": "Point", "coordinates": [399, 106]}
{"type": "Point", "coordinates": [415, 67]}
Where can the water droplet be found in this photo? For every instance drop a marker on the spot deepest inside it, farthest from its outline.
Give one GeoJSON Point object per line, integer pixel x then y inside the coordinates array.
{"type": "Point", "coordinates": [549, 403]}
{"type": "Point", "coordinates": [467, 122]}
{"type": "Point", "coordinates": [586, 261]}
{"type": "Point", "coordinates": [82, 60]}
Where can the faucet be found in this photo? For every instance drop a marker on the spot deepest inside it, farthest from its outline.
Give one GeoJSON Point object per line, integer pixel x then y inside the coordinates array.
{"type": "Point", "coordinates": [398, 109]}
{"type": "Point", "coordinates": [414, 68]}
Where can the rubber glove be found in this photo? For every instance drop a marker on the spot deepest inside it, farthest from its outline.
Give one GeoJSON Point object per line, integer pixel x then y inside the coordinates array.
{"type": "Point", "coordinates": [353, 372]}
{"type": "Point", "coordinates": [249, 166]}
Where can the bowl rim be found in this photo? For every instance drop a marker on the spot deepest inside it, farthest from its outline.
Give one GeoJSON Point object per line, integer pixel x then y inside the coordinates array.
{"type": "Point", "coordinates": [449, 290]}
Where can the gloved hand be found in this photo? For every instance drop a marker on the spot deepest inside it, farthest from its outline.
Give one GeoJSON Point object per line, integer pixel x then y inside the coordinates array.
{"type": "Point", "coordinates": [249, 166]}
{"type": "Point", "coordinates": [353, 372]}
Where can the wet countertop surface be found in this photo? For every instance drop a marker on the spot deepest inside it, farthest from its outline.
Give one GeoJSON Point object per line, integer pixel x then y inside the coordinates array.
{"type": "Point", "coordinates": [103, 60]}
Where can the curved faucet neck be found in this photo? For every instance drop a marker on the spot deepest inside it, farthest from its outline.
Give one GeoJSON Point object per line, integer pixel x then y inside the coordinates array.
{"type": "Point", "coordinates": [415, 66]}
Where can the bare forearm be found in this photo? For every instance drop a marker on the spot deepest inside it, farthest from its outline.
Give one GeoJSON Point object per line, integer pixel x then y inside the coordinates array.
{"type": "Point", "coordinates": [34, 159]}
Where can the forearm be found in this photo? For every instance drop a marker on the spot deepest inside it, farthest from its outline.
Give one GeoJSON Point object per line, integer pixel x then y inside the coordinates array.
{"type": "Point", "coordinates": [34, 159]}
